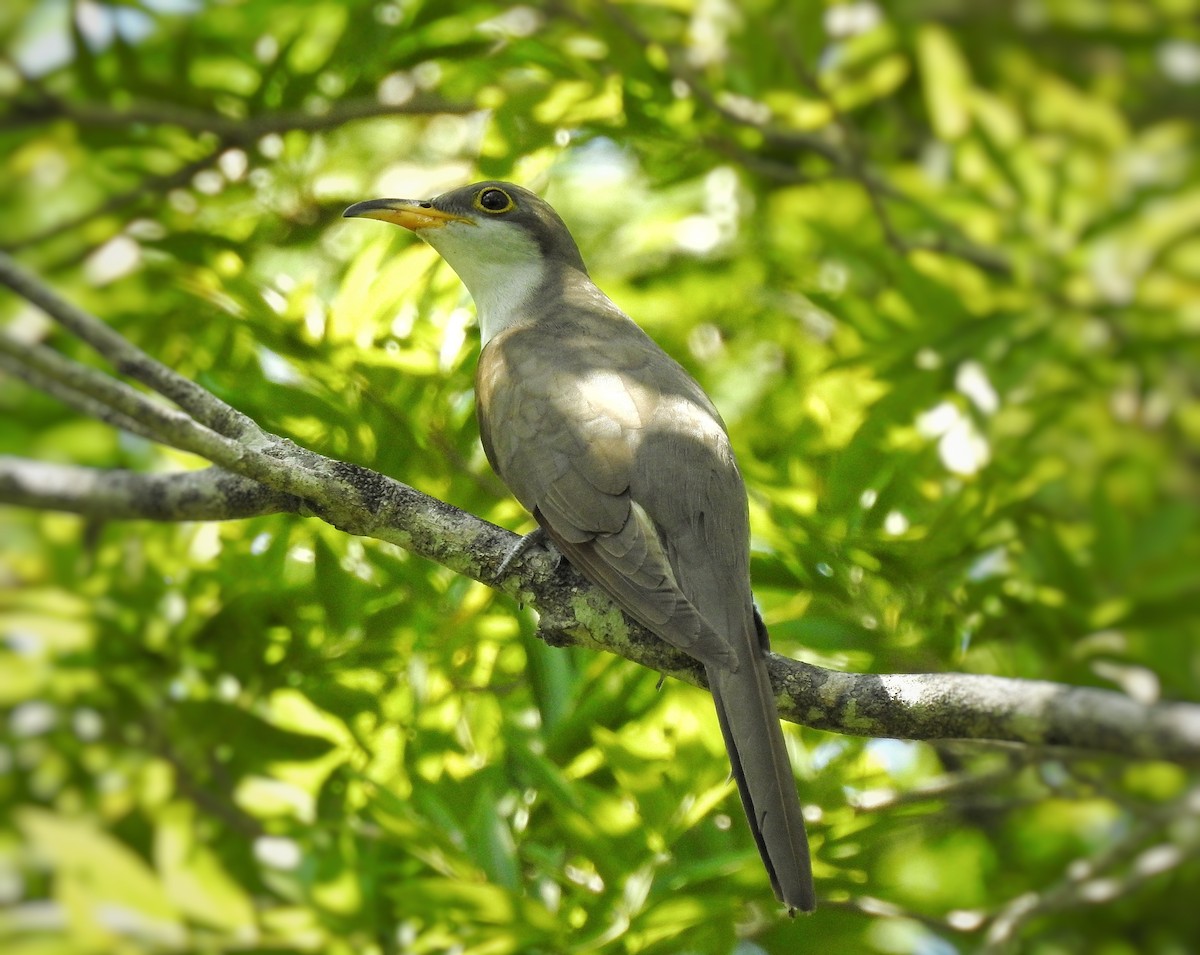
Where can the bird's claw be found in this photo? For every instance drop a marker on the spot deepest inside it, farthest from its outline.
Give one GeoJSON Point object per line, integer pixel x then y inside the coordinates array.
{"type": "Point", "coordinates": [536, 537]}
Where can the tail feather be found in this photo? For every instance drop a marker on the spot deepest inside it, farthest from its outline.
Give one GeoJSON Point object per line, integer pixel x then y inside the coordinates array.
{"type": "Point", "coordinates": [750, 723]}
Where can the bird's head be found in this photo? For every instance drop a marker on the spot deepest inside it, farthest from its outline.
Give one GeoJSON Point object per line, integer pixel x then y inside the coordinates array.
{"type": "Point", "coordinates": [491, 233]}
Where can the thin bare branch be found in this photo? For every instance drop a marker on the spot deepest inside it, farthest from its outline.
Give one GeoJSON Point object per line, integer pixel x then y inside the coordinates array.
{"type": "Point", "coordinates": [73, 398]}
{"type": "Point", "coordinates": [211, 494]}
{"type": "Point", "coordinates": [99, 395]}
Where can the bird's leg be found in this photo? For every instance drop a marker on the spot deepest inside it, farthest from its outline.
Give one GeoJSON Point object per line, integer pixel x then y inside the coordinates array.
{"type": "Point", "coordinates": [536, 537]}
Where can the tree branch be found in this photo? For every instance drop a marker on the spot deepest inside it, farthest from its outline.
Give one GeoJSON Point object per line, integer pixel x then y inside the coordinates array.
{"type": "Point", "coordinates": [261, 473]}
{"type": "Point", "coordinates": [211, 494]}
{"type": "Point", "coordinates": [126, 357]}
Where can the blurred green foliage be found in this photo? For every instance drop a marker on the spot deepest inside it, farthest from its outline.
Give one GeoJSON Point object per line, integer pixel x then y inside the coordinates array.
{"type": "Point", "coordinates": [938, 264]}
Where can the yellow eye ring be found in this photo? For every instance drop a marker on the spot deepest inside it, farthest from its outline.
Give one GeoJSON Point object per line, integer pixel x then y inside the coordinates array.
{"type": "Point", "coordinates": [494, 201]}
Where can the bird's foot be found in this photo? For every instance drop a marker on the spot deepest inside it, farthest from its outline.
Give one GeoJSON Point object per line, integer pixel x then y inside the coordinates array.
{"type": "Point", "coordinates": [536, 537]}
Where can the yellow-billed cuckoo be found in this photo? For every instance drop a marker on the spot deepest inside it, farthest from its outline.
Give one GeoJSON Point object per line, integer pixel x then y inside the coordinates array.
{"type": "Point", "coordinates": [626, 466]}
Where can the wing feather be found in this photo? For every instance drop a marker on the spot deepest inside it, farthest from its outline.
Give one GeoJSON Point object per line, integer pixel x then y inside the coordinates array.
{"type": "Point", "coordinates": [578, 451]}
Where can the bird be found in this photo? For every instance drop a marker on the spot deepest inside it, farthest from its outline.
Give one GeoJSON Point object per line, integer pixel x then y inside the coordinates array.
{"type": "Point", "coordinates": [627, 468]}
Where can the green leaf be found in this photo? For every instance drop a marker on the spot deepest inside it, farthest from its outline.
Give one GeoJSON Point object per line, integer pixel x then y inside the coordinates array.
{"type": "Point", "coordinates": [102, 882]}
{"type": "Point", "coordinates": [945, 80]}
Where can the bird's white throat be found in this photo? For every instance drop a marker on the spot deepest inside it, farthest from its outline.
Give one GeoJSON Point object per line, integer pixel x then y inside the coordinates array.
{"type": "Point", "coordinates": [502, 269]}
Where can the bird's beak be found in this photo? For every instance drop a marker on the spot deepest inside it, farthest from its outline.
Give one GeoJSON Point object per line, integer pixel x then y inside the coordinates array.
{"type": "Point", "coordinates": [409, 213]}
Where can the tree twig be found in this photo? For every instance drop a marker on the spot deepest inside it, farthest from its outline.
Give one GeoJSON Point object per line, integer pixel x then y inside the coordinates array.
{"type": "Point", "coordinates": [72, 397]}
{"type": "Point", "coordinates": [211, 494]}
{"type": "Point", "coordinates": [126, 357]}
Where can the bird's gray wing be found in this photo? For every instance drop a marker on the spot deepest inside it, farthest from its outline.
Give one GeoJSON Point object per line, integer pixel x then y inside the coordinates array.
{"type": "Point", "coordinates": [562, 431]}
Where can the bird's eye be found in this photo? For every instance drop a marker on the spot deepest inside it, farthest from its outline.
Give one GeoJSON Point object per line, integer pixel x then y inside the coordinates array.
{"type": "Point", "coordinates": [494, 200]}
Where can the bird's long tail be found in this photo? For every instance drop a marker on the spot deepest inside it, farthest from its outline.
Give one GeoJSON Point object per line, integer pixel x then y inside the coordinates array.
{"type": "Point", "coordinates": [750, 723]}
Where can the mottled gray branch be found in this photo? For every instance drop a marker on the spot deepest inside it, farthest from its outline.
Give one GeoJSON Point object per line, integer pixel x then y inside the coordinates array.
{"type": "Point", "coordinates": [264, 473]}
{"type": "Point", "coordinates": [928, 706]}
{"type": "Point", "coordinates": [211, 494]}
{"type": "Point", "coordinates": [99, 395]}
{"type": "Point", "coordinates": [967, 706]}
